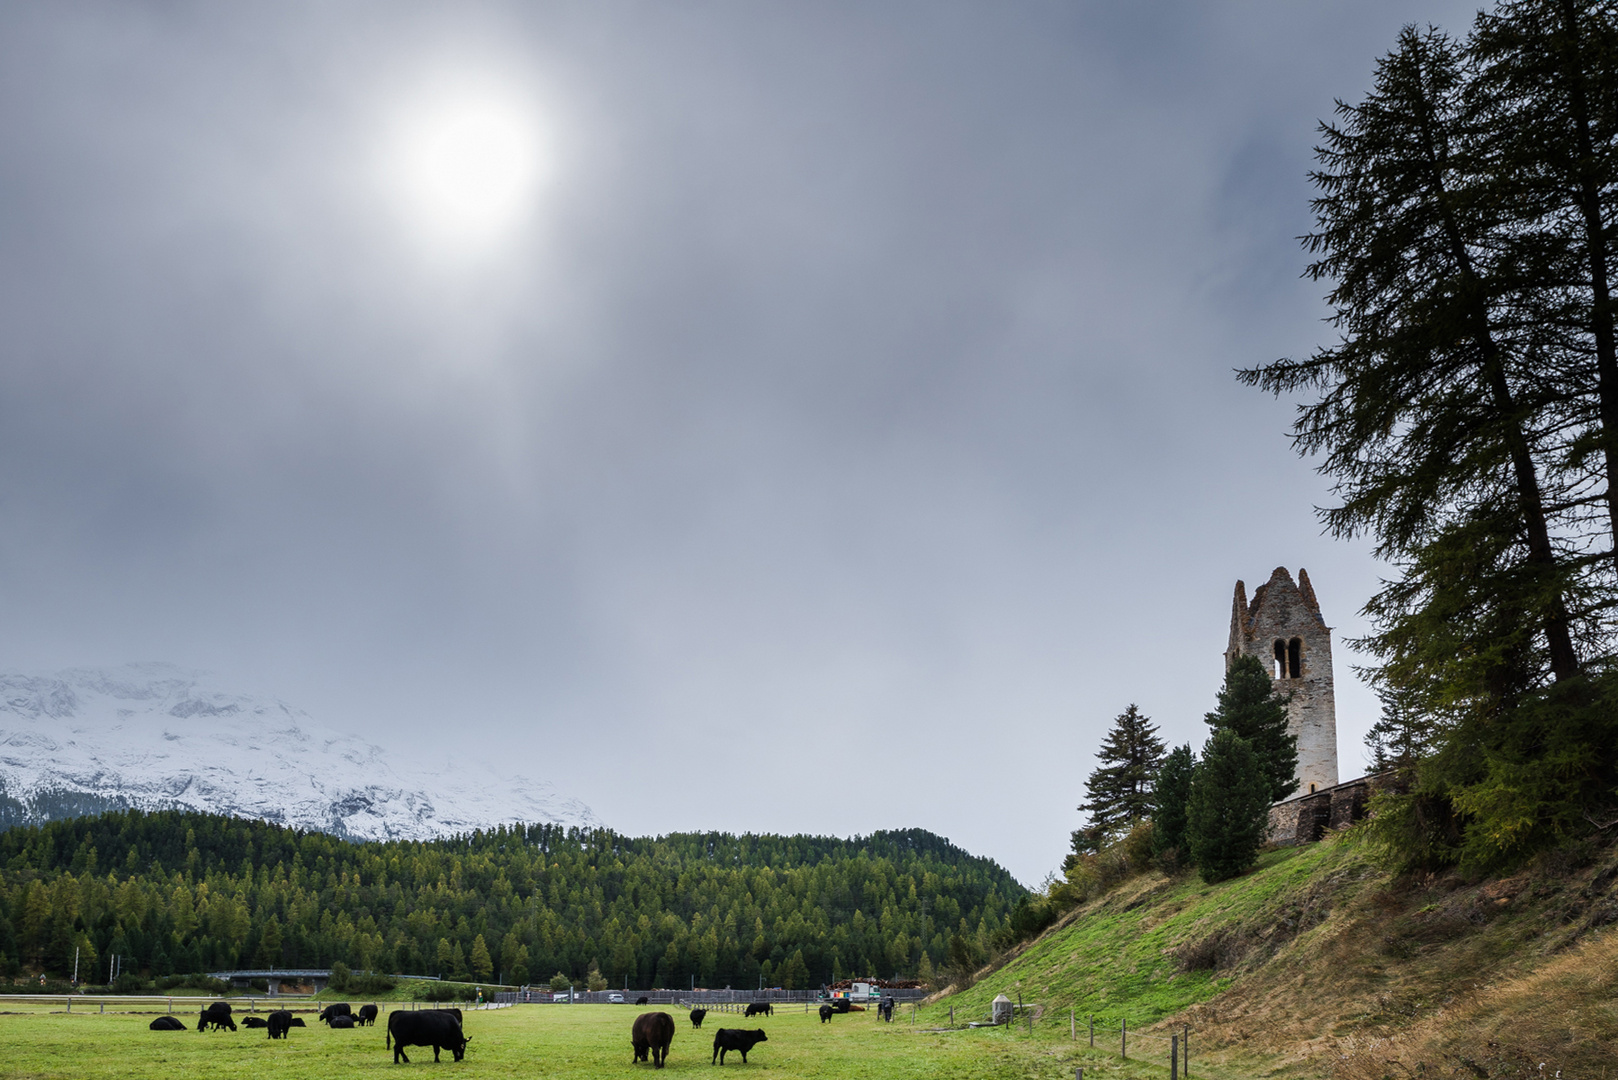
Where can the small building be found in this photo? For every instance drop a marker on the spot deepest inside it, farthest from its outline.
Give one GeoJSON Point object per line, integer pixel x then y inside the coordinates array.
{"type": "Point", "coordinates": [1001, 1009]}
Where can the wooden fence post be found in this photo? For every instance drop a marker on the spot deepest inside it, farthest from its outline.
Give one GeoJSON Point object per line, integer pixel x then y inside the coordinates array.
{"type": "Point", "coordinates": [1185, 1047]}
{"type": "Point", "coordinates": [1174, 1057]}
{"type": "Point", "coordinates": [1123, 1026]}
{"type": "Point", "coordinates": [1092, 1031]}
{"type": "Point", "coordinates": [1072, 1026]}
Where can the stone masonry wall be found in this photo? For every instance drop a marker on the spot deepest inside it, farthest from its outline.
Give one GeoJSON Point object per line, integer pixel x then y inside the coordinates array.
{"type": "Point", "coordinates": [1286, 612]}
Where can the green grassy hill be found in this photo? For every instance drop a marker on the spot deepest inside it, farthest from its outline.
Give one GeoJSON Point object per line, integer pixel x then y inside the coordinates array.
{"type": "Point", "coordinates": [1318, 963]}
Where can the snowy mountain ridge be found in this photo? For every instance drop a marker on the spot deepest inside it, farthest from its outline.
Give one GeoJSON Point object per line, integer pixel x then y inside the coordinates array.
{"type": "Point", "coordinates": [154, 736]}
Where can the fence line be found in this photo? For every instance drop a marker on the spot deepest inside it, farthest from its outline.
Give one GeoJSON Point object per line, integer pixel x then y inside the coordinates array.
{"type": "Point", "coordinates": [538, 996]}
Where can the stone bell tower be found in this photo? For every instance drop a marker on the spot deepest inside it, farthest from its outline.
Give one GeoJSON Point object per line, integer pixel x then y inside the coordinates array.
{"type": "Point", "coordinates": [1283, 627]}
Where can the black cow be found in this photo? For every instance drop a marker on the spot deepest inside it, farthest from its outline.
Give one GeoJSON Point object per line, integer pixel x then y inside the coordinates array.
{"type": "Point", "coordinates": [826, 1013]}
{"type": "Point", "coordinates": [642, 1000]}
{"type": "Point", "coordinates": [447, 1012]}
{"type": "Point", "coordinates": [219, 1007]}
{"type": "Point", "coordinates": [297, 1021]}
{"type": "Point", "coordinates": [336, 1008]}
{"type": "Point", "coordinates": [344, 1022]}
{"type": "Point", "coordinates": [278, 1022]}
{"type": "Point", "coordinates": [167, 1023]}
{"type": "Point", "coordinates": [696, 1017]}
{"type": "Point", "coordinates": [254, 1022]}
{"type": "Point", "coordinates": [735, 1039]}
{"type": "Point", "coordinates": [214, 1018]}
{"type": "Point", "coordinates": [433, 1028]}
{"type": "Point", "coordinates": [652, 1033]}
{"type": "Point", "coordinates": [760, 1008]}
{"type": "Point", "coordinates": [367, 1015]}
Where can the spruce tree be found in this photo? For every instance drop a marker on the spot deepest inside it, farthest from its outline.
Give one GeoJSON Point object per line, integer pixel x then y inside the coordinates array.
{"type": "Point", "coordinates": [1249, 707]}
{"type": "Point", "coordinates": [1228, 813]}
{"type": "Point", "coordinates": [1120, 791]}
{"type": "Point", "coordinates": [1400, 737]}
{"type": "Point", "coordinates": [1170, 802]}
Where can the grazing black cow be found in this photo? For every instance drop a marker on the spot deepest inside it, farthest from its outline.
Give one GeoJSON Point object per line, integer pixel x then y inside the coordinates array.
{"type": "Point", "coordinates": [696, 1017]}
{"type": "Point", "coordinates": [278, 1022]}
{"type": "Point", "coordinates": [760, 1008]}
{"type": "Point", "coordinates": [826, 1013]}
{"type": "Point", "coordinates": [367, 1015]}
{"type": "Point", "coordinates": [428, 1027]}
{"type": "Point", "coordinates": [336, 1008]}
{"type": "Point", "coordinates": [167, 1023]}
{"type": "Point", "coordinates": [652, 1033]}
{"type": "Point", "coordinates": [735, 1039]}
{"type": "Point", "coordinates": [219, 1007]}
{"type": "Point", "coordinates": [447, 1012]}
{"type": "Point", "coordinates": [642, 1000]}
{"type": "Point", "coordinates": [254, 1022]}
{"type": "Point", "coordinates": [214, 1019]}
{"type": "Point", "coordinates": [344, 1022]}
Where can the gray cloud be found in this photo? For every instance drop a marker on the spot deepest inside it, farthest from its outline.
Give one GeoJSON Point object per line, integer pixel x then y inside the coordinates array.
{"type": "Point", "coordinates": [847, 437]}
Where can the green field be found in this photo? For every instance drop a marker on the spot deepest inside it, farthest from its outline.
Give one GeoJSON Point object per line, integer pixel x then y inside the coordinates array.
{"type": "Point", "coordinates": [549, 1041]}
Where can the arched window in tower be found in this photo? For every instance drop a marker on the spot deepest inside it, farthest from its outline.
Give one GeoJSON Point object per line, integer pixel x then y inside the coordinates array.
{"type": "Point", "coordinates": [1279, 669]}
{"type": "Point", "coordinates": [1295, 658]}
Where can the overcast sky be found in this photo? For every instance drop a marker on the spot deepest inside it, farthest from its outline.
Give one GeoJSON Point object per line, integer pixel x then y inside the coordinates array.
{"type": "Point", "coordinates": [775, 417]}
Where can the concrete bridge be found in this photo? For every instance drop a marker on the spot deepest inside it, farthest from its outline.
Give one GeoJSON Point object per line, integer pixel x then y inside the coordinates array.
{"type": "Point", "coordinates": [318, 978]}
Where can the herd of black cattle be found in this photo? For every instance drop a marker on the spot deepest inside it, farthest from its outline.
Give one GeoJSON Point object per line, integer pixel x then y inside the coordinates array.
{"type": "Point", "coordinates": [441, 1028]}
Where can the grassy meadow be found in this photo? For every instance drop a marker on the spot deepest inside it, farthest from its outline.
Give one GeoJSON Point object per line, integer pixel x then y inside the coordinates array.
{"type": "Point", "coordinates": [557, 1042]}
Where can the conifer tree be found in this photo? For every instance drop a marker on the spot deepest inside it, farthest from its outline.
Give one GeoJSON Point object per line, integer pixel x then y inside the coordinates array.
{"type": "Point", "coordinates": [1249, 706]}
{"type": "Point", "coordinates": [1120, 791]}
{"type": "Point", "coordinates": [1171, 801]}
{"type": "Point", "coordinates": [1469, 412]}
{"type": "Point", "coordinates": [482, 963]}
{"type": "Point", "coordinates": [1228, 813]}
{"type": "Point", "coordinates": [1400, 737]}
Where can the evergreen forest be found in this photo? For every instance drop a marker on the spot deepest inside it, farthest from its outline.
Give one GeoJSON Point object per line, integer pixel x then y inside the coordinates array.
{"type": "Point", "coordinates": [175, 892]}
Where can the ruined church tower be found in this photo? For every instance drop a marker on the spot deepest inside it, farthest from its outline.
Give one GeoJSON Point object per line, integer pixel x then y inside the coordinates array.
{"type": "Point", "coordinates": [1283, 627]}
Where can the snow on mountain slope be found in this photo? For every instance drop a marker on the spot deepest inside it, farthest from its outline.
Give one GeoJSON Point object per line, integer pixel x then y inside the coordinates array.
{"type": "Point", "coordinates": [154, 736]}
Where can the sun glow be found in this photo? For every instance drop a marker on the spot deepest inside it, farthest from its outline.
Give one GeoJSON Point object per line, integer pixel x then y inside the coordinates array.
{"type": "Point", "coordinates": [465, 164]}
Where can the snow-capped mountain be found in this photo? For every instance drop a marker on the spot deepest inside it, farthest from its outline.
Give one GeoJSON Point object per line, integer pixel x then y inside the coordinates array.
{"type": "Point", "coordinates": [154, 736]}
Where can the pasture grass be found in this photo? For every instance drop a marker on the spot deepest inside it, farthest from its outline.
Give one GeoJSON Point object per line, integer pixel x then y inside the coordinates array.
{"type": "Point", "coordinates": [552, 1041]}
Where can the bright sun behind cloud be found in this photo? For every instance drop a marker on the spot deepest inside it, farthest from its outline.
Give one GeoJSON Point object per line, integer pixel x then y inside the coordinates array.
{"type": "Point", "coordinates": [464, 165]}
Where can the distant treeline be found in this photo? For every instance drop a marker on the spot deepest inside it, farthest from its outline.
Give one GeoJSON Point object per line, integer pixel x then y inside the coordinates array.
{"type": "Point", "coordinates": [177, 892]}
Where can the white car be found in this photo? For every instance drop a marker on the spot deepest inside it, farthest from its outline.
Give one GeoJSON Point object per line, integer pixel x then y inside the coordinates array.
{"type": "Point", "coordinates": [615, 998]}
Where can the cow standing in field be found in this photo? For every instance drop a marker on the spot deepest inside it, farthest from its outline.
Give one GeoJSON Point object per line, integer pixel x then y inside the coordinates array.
{"type": "Point", "coordinates": [736, 1039]}
{"type": "Point", "coordinates": [642, 1000]}
{"type": "Point", "coordinates": [429, 1027]}
{"type": "Point", "coordinates": [696, 1017]}
{"type": "Point", "coordinates": [760, 1008]}
{"type": "Point", "coordinates": [652, 1033]}
{"type": "Point", "coordinates": [216, 1016]}
{"type": "Point", "coordinates": [367, 1015]}
{"type": "Point", "coordinates": [826, 1013]}
{"type": "Point", "coordinates": [167, 1023]}
{"type": "Point", "coordinates": [278, 1022]}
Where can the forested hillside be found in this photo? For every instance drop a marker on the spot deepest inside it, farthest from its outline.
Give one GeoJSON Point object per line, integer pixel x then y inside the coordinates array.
{"type": "Point", "coordinates": [178, 892]}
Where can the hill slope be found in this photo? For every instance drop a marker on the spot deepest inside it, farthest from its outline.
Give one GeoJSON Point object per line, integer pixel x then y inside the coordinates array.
{"type": "Point", "coordinates": [1320, 964]}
